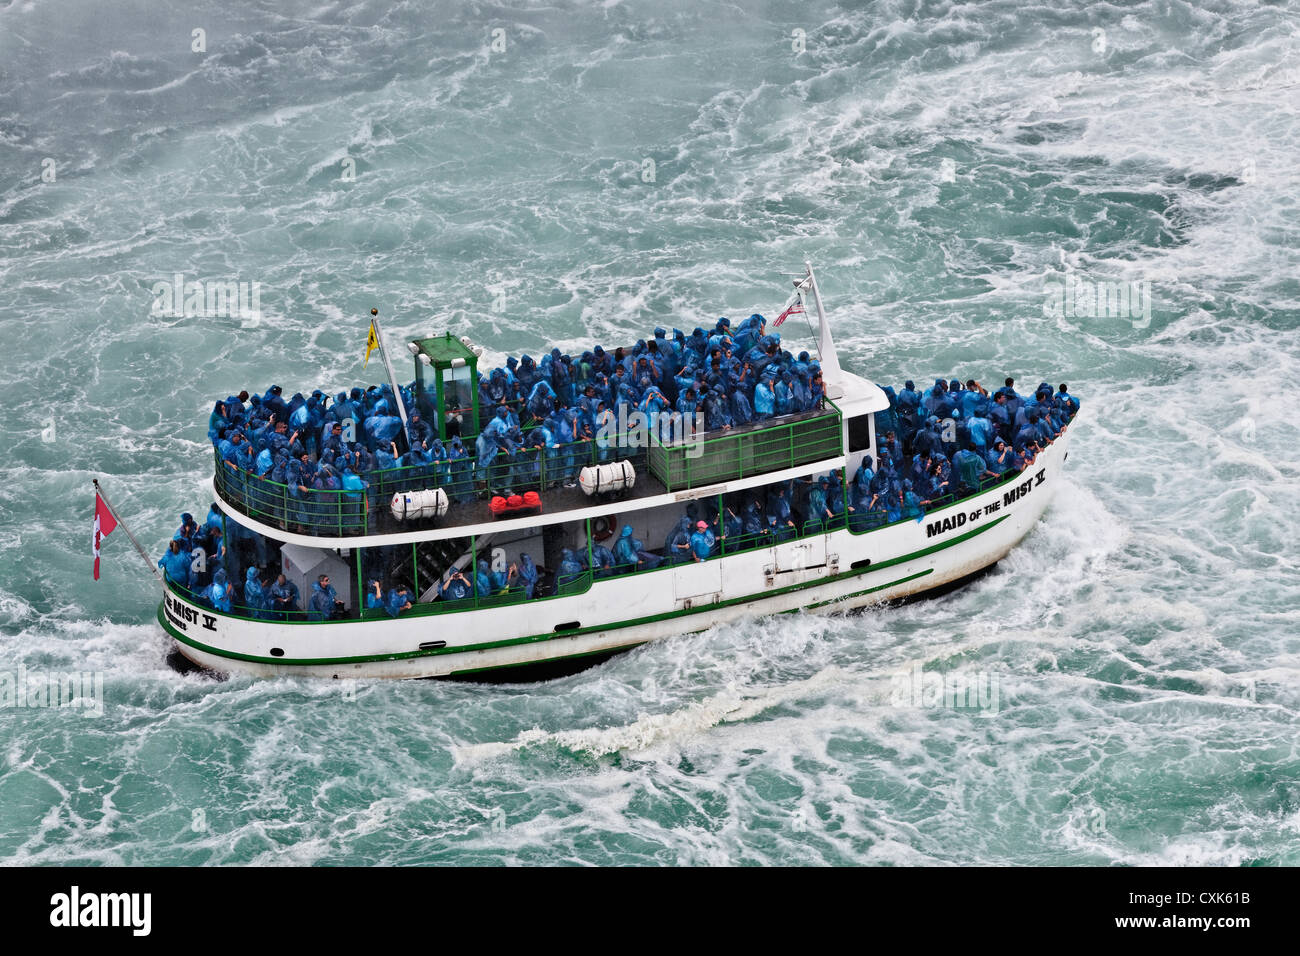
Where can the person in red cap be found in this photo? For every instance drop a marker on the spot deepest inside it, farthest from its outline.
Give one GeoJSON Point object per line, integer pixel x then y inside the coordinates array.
{"type": "Point", "coordinates": [701, 541]}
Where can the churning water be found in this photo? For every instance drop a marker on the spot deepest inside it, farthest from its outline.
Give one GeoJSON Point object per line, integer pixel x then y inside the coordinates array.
{"type": "Point", "coordinates": [576, 172]}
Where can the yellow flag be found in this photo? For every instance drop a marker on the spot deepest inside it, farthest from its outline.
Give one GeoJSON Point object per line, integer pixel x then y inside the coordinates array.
{"type": "Point", "coordinates": [372, 343]}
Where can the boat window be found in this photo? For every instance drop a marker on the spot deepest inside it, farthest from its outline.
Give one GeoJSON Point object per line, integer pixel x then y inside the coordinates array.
{"type": "Point", "coordinates": [457, 385]}
{"type": "Point", "coordinates": [859, 433]}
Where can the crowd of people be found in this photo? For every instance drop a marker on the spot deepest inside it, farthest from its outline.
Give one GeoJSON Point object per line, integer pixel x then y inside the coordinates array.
{"type": "Point", "coordinates": [196, 559]}
{"type": "Point", "coordinates": [950, 441]}
{"type": "Point", "coordinates": [728, 378]}
{"type": "Point", "coordinates": [535, 415]}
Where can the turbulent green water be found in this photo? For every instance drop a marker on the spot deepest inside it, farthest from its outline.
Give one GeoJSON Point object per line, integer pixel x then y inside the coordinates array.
{"type": "Point", "coordinates": [942, 164]}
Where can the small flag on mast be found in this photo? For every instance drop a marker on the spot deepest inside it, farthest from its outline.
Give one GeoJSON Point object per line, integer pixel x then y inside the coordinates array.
{"type": "Point", "coordinates": [104, 525]}
{"type": "Point", "coordinates": [372, 343]}
{"type": "Point", "coordinates": [795, 307]}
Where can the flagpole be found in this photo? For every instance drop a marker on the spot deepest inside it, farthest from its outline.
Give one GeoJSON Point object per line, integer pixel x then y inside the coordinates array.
{"type": "Point", "coordinates": [122, 524]}
{"type": "Point", "coordinates": [392, 378]}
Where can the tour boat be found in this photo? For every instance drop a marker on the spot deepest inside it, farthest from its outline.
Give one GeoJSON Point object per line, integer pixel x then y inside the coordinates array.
{"type": "Point", "coordinates": [421, 526]}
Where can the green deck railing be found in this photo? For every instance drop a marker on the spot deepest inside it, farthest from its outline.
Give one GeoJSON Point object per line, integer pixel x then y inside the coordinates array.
{"type": "Point", "coordinates": [326, 512]}
{"type": "Point", "coordinates": [513, 595]}
{"type": "Point", "coordinates": [744, 454]}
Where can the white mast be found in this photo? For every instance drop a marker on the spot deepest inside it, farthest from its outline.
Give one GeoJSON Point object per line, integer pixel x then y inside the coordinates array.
{"type": "Point", "coordinates": [830, 359]}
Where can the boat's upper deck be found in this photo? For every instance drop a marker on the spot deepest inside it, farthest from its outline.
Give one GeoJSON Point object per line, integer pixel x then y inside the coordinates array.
{"type": "Point", "coordinates": [738, 452]}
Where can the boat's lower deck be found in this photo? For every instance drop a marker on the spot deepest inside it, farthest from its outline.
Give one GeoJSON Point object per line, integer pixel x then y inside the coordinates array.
{"type": "Point", "coordinates": [838, 570]}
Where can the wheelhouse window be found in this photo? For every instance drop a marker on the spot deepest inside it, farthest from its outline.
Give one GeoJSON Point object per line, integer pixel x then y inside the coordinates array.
{"type": "Point", "coordinates": [860, 433]}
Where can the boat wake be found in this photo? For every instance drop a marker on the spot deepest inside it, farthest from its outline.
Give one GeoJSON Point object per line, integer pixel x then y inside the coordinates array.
{"type": "Point", "coordinates": [653, 731]}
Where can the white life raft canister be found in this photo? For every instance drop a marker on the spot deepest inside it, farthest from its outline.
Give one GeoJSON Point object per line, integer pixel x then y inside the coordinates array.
{"type": "Point", "coordinates": [412, 505]}
{"type": "Point", "coordinates": [601, 479]}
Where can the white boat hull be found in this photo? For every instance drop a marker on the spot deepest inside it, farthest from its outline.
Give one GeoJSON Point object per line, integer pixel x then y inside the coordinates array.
{"type": "Point", "coordinates": [814, 573]}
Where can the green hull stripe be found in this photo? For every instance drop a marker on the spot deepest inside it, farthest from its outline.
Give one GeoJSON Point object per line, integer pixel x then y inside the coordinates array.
{"type": "Point", "coordinates": [471, 648]}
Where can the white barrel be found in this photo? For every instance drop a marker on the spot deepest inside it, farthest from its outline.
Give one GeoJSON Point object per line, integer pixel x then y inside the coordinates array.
{"type": "Point", "coordinates": [611, 477]}
{"type": "Point", "coordinates": [413, 505]}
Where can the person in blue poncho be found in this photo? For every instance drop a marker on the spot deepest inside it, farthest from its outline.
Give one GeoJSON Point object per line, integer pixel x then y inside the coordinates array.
{"type": "Point", "coordinates": [527, 574]}
{"type": "Point", "coordinates": [570, 570]}
{"type": "Point", "coordinates": [457, 587]}
{"type": "Point", "coordinates": [399, 600]}
{"type": "Point", "coordinates": [176, 564]}
{"type": "Point", "coordinates": [482, 579]}
{"type": "Point", "coordinates": [764, 398]}
{"type": "Point", "coordinates": [701, 544]}
{"type": "Point", "coordinates": [1028, 433]}
{"type": "Point", "coordinates": [932, 400]}
{"type": "Point", "coordinates": [753, 524]}
{"type": "Point", "coordinates": [981, 432]}
{"type": "Point", "coordinates": [909, 401]}
{"type": "Point", "coordinates": [503, 577]}
{"type": "Point", "coordinates": [859, 506]}
{"type": "Point", "coordinates": [631, 554]}
{"type": "Point", "coordinates": [1046, 431]}
{"type": "Point", "coordinates": [818, 511]}
{"type": "Point", "coordinates": [863, 476]}
{"type": "Point", "coordinates": [383, 428]}
{"type": "Point", "coordinates": [217, 421]}
{"type": "Point", "coordinates": [835, 495]}
{"type": "Point", "coordinates": [911, 504]}
{"type": "Point", "coordinates": [999, 459]}
{"type": "Point", "coordinates": [894, 504]}
{"type": "Point", "coordinates": [214, 519]}
{"type": "Point", "coordinates": [254, 595]}
{"type": "Point", "coordinates": [999, 414]}
{"type": "Point", "coordinates": [284, 597]}
{"type": "Point", "coordinates": [602, 561]}
{"type": "Point", "coordinates": [354, 500]}
{"type": "Point", "coordinates": [323, 598]}
{"type": "Point", "coordinates": [733, 527]}
{"type": "Point", "coordinates": [717, 410]}
{"type": "Point", "coordinates": [374, 595]}
{"type": "Point", "coordinates": [677, 547]}
{"type": "Point", "coordinates": [187, 533]}
{"type": "Point", "coordinates": [562, 460]}
{"type": "Point", "coordinates": [779, 513]}
{"type": "Point", "coordinates": [460, 477]}
{"type": "Point", "coordinates": [220, 592]}
{"type": "Point", "coordinates": [741, 411]}
{"type": "Point", "coordinates": [1063, 395]}
{"type": "Point", "coordinates": [970, 468]}
{"type": "Point", "coordinates": [419, 433]}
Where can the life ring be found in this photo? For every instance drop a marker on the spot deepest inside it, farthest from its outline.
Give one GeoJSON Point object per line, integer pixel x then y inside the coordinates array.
{"type": "Point", "coordinates": [603, 526]}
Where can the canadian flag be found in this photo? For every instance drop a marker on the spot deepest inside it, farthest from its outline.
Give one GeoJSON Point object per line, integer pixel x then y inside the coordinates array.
{"type": "Point", "coordinates": [104, 525]}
